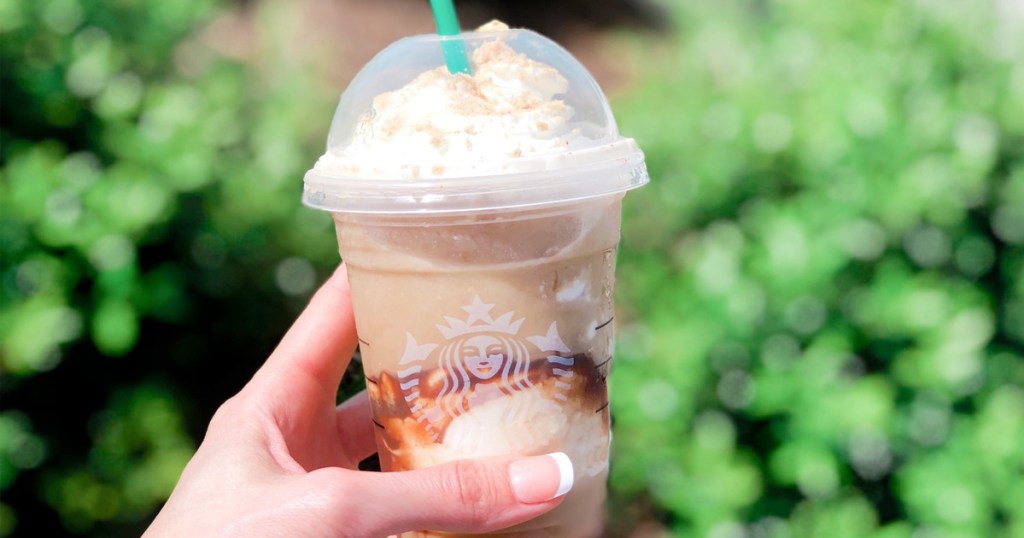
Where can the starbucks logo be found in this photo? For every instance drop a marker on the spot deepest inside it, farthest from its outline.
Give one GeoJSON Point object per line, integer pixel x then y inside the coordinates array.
{"type": "Point", "coordinates": [480, 353]}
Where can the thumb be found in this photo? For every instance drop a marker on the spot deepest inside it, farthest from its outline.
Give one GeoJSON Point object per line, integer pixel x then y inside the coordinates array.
{"type": "Point", "coordinates": [463, 496]}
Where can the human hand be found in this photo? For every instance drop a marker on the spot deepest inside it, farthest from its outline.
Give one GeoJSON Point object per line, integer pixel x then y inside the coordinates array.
{"type": "Point", "coordinates": [279, 459]}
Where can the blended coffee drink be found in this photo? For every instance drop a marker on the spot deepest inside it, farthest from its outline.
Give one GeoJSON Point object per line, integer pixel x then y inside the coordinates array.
{"type": "Point", "coordinates": [479, 217]}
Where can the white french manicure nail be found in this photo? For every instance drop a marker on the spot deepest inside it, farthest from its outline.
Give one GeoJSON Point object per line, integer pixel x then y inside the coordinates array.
{"type": "Point", "coordinates": [565, 473]}
{"type": "Point", "coordinates": [536, 480]}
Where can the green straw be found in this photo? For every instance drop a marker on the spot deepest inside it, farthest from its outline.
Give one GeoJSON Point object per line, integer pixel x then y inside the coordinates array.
{"type": "Point", "coordinates": [448, 25]}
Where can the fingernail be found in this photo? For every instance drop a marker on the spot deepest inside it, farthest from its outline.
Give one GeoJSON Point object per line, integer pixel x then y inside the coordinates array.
{"type": "Point", "coordinates": [539, 479]}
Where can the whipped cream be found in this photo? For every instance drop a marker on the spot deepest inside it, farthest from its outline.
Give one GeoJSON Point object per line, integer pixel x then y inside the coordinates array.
{"type": "Point", "coordinates": [441, 124]}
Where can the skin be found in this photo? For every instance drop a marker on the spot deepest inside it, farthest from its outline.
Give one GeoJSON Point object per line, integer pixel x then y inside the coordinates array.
{"type": "Point", "coordinates": [279, 459]}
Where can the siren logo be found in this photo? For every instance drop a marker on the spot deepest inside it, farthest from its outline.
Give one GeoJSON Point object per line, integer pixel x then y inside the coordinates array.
{"type": "Point", "coordinates": [480, 354]}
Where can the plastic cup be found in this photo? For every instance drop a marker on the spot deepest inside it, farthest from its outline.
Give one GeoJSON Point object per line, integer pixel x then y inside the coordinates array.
{"type": "Point", "coordinates": [484, 300]}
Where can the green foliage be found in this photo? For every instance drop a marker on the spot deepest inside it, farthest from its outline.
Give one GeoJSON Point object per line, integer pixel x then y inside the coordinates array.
{"type": "Point", "coordinates": [824, 277]}
{"type": "Point", "coordinates": [139, 448]}
{"type": "Point", "coordinates": [821, 327]}
{"type": "Point", "coordinates": [143, 180]}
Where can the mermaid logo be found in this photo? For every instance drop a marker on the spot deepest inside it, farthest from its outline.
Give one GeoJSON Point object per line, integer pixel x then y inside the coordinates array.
{"type": "Point", "coordinates": [482, 355]}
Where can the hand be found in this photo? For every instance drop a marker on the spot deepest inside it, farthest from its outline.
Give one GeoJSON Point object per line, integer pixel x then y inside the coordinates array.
{"type": "Point", "coordinates": [279, 459]}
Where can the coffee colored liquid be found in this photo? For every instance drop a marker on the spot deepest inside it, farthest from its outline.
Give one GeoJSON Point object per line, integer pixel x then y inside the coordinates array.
{"type": "Point", "coordinates": [491, 336]}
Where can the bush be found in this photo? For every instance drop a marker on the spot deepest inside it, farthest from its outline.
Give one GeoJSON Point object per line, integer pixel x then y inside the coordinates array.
{"type": "Point", "coordinates": [153, 248]}
{"type": "Point", "coordinates": [824, 281]}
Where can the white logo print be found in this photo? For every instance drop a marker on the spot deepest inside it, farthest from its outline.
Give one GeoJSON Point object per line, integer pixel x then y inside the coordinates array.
{"type": "Point", "coordinates": [480, 351]}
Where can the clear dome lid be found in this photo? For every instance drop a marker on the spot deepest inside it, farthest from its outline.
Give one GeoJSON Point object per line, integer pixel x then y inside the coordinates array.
{"type": "Point", "coordinates": [528, 127]}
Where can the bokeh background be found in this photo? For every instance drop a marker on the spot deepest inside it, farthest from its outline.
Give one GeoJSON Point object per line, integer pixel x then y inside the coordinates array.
{"type": "Point", "coordinates": [821, 300]}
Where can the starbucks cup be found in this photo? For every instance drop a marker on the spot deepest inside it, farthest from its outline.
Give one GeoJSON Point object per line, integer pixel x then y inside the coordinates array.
{"type": "Point", "coordinates": [479, 217]}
